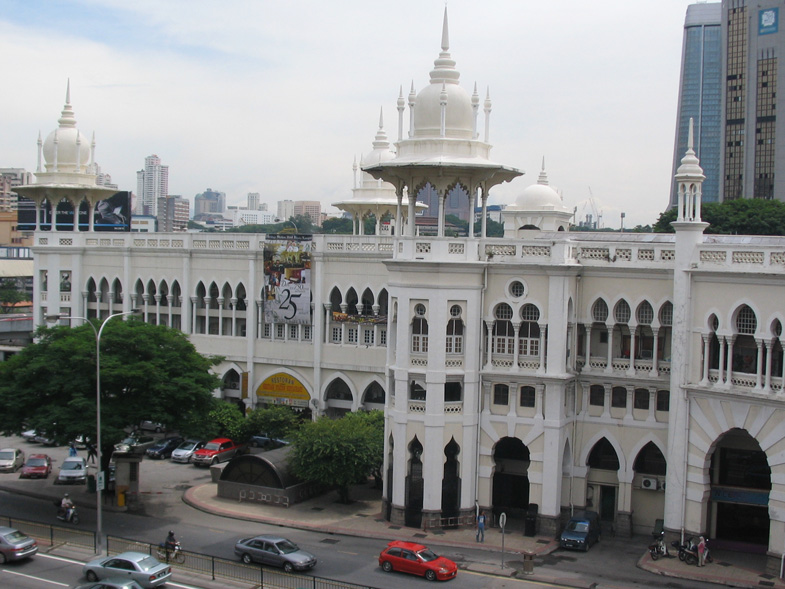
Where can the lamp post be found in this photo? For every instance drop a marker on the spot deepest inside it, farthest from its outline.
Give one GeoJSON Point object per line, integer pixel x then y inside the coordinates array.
{"type": "Point", "coordinates": [99, 478]}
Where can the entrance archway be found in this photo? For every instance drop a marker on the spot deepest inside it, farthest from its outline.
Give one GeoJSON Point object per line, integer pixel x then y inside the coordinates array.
{"type": "Point", "coordinates": [451, 484]}
{"type": "Point", "coordinates": [415, 486]}
{"type": "Point", "coordinates": [603, 480]}
{"type": "Point", "coordinates": [511, 481]}
{"type": "Point", "coordinates": [738, 510]}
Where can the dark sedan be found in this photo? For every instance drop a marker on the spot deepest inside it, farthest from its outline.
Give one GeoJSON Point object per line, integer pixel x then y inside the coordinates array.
{"type": "Point", "coordinates": [164, 448]}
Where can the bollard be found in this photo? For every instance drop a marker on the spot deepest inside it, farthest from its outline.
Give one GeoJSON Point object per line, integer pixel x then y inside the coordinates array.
{"type": "Point", "coordinates": [528, 563]}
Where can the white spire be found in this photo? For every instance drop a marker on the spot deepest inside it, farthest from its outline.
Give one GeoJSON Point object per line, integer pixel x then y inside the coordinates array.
{"type": "Point", "coordinates": [475, 110]}
{"type": "Point", "coordinates": [543, 178]}
{"type": "Point", "coordinates": [412, 98]}
{"type": "Point", "coordinates": [487, 108]}
{"type": "Point", "coordinates": [689, 177]}
{"type": "Point", "coordinates": [444, 66]}
{"type": "Point", "coordinates": [40, 150]}
{"type": "Point", "coordinates": [401, 106]}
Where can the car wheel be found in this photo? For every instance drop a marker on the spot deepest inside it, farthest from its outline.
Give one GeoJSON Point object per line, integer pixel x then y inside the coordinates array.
{"type": "Point", "coordinates": [247, 558]}
{"type": "Point", "coordinates": [430, 575]}
{"type": "Point", "coordinates": [287, 567]}
{"type": "Point", "coordinates": [214, 460]}
{"type": "Point", "coordinates": [2, 558]}
{"type": "Point", "coordinates": [387, 566]}
{"type": "Point", "coordinates": [91, 576]}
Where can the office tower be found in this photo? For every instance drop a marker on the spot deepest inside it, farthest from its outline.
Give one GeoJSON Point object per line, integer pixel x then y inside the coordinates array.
{"type": "Point", "coordinates": [752, 42]}
{"type": "Point", "coordinates": [173, 213]}
{"type": "Point", "coordinates": [10, 178]}
{"type": "Point", "coordinates": [285, 209]}
{"type": "Point", "coordinates": [700, 95]}
{"type": "Point", "coordinates": [310, 208]}
{"type": "Point", "coordinates": [152, 183]}
{"type": "Point", "coordinates": [253, 201]}
{"type": "Point", "coordinates": [210, 201]}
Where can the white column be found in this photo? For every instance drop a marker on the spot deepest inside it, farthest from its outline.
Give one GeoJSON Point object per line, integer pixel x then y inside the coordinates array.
{"type": "Point", "coordinates": [609, 366]}
{"type": "Point", "coordinates": [193, 314]}
{"type": "Point", "coordinates": [606, 405]}
{"type": "Point", "coordinates": [541, 350]}
{"type": "Point", "coordinates": [516, 350]}
{"type": "Point", "coordinates": [706, 339]}
{"type": "Point", "coordinates": [157, 297]}
{"type": "Point", "coordinates": [207, 315]}
{"type": "Point", "coordinates": [631, 367]}
{"type": "Point", "coordinates": [759, 367]}
{"type": "Point", "coordinates": [655, 355]}
{"type": "Point", "coordinates": [220, 315]}
{"type": "Point", "coordinates": [442, 205]}
{"type": "Point", "coordinates": [170, 301]}
{"type": "Point", "coordinates": [769, 348]}
{"type": "Point", "coordinates": [489, 326]}
{"type": "Point", "coordinates": [721, 371]}
{"type": "Point", "coordinates": [146, 299]}
{"type": "Point", "coordinates": [328, 330]}
{"type": "Point", "coordinates": [587, 349]}
{"type": "Point", "coordinates": [233, 302]}
{"type": "Point", "coordinates": [729, 361]}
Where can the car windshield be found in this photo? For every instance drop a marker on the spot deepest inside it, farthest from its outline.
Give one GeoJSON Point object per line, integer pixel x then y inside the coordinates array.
{"type": "Point", "coordinates": [6, 455]}
{"type": "Point", "coordinates": [35, 462]}
{"type": "Point", "coordinates": [574, 526]}
{"type": "Point", "coordinates": [67, 465]}
{"type": "Point", "coordinates": [186, 446]}
{"type": "Point", "coordinates": [427, 555]}
{"type": "Point", "coordinates": [212, 446]}
{"type": "Point", "coordinates": [129, 441]}
{"type": "Point", "coordinates": [148, 563]}
{"type": "Point", "coordinates": [15, 536]}
{"type": "Point", "coordinates": [287, 547]}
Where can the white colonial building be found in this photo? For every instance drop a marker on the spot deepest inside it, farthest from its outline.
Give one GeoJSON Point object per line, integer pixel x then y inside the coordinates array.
{"type": "Point", "coordinates": [639, 375]}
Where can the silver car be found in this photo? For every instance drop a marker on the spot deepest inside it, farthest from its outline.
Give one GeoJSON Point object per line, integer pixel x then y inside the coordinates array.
{"type": "Point", "coordinates": [135, 566]}
{"type": "Point", "coordinates": [11, 459]}
{"type": "Point", "coordinates": [111, 584]}
{"type": "Point", "coordinates": [73, 470]}
{"type": "Point", "coordinates": [185, 451]}
{"type": "Point", "coordinates": [274, 551]}
{"type": "Point", "coordinates": [14, 545]}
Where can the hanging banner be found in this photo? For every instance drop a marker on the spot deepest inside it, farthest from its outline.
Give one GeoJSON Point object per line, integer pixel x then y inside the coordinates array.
{"type": "Point", "coordinates": [287, 279]}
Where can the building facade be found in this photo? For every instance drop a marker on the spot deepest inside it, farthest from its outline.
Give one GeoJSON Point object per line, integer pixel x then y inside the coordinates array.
{"type": "Point", "coordinates": [637, 375]}
{"type": "Point", "coordinates": [209, 202]}
{"type": "Point", "coordinates": [152, 183]}
{"type": "Point", "coordinates": [308, 208]}
{"type": "Point", "coordinates": [700, 95]}
{"type": "Point", "coordinates": [174, 211]}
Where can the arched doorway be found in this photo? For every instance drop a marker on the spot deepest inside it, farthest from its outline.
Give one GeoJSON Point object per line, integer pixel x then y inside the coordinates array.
{"type": "Point", "coordinates": [511, 481]}
{"type": "Point", "coordinates": [738, 511]}
{"type": "Point", "coordinates": [648, 489]}
{"type": "Point", "coordinates": [603, 480]}
{"type": "Point", "coordinates": [451, 484]}
{"type": "Point", "coordinates": [415, 486]}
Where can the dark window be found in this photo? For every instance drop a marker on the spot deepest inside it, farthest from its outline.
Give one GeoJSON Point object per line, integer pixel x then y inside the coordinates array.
{"type": "Point", "coordinates": [619, 397]}
{"type": "Point", "coordinates": [597, 395]}
{"type": "Point", "coordinates": [501, 394]}
{"type": "Point", "coordinates": [527, 397]}
{"type": "Point", "coordinates": [650, 461]}
{"type": "Point", "coordinates": [603, 456]}
{"type": "Point", "coordinates": [452, 391]}
{"type": "Point", "coordinates": [641, 399]}
{"type": "Point", "coordinates": [663, 400]}
{"type": "Point", "coordinates": [416, 392]}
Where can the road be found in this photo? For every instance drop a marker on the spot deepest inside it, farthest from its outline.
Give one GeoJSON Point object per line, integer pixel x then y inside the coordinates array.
{"type": "Point", "coordinates": [611, 563]}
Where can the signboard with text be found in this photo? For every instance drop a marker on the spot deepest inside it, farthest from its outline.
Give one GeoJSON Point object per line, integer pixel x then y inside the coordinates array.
{"type": "Point", "coordinates": [287, 279]}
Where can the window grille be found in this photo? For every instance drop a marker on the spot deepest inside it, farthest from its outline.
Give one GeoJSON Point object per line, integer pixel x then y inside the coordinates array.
{"type": "Point", "coordinates": [600, 311]}
{"type": "Point", "coordinates": [622, 312]}
{"type": "Point", "coordinates": [746, 322]}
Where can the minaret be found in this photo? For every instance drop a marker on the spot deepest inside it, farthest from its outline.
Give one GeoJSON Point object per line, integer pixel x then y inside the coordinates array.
{"type": "Point", "coordinates": [689, 178]}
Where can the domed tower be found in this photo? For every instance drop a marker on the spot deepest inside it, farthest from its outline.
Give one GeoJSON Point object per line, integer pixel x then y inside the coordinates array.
{"type": "Point", "coordinates": [69, 161]}
{"type": "Point", "coordinates": [443, 148]}
{"type": "Point", "coordinates": [539, 207]}
{"type": "Point", "coordinates": [372, 196]}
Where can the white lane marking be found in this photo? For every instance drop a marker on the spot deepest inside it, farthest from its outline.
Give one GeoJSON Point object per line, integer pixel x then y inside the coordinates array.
{"type": "Point", "coordinates": [33, 578]}
{"type": "Point", "coordinates": [60, 558]}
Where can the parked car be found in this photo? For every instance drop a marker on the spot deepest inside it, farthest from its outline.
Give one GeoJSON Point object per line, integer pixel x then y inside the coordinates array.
{"type": "Point", "coordinates": [42, 438]}
{"type": "Point", "coordinates": [267, 442]}
{"type": "Point", "coordinates": [185, 451]}
{"type": "Point", "coordinates": [29, 435]}
{"type": "Point", "coordinates": [217, 450]}
{"type": "Point", "coordinates": [11, 459]}
{"type": "Point", "coordinates": [37, 466]}
{"type": "Point", "coordinates": [142, 568]}
{"type": "Point", "coordinates": [72, 470]}
{"type": "Point", "coordinates": [14, 545]}
{"type": "Point", "coordinates": [164, 448]}
{"type": "Point", "coordinates": [134, 444]}
{"type": "Point", "coordinates": [410, 557]}
{"type": "Point", "coordinates": [118, 583]}
{"type": "Point", "coordinates": [581, 531]}
{"type": "Point", "coordinates": [152, 426]}
{"type": "Point", "coordinates": [274, 551]}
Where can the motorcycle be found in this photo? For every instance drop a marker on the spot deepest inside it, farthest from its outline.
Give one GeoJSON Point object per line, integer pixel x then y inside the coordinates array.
{"type": "Point", "coordinates": [658, 547]}
{"type": "Point", "coordinates": [693, 546]}
{"type": "Point", "coordinates": [688, 552]}
{"type": "Point", "coordinates": [175, 554]}
{"type": "Point", "coordinates": [69, 516]}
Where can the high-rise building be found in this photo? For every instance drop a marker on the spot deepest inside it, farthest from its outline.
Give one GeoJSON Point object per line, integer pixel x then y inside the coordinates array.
{"type": "Point", "coordinates": [173, 213]}
{"type": "Point", "coordinates": [285, 209]}
{"type": "Point", "coordinates": [253, 201]}
{"type": "Point", "coordinates": [308, 208]}
{"type": "Point", "coordinates": [152, 183]}
{"type": "Point", "coordinates": [102, 178]}
{"type": "Point", "coordinates": [700, 95]}
{"type": "Point", "coordinates": [209, 201]}
{"type": "Point", "coordinates": [752, 44]}
{"type": "Point", "coordinates": [10, 178]}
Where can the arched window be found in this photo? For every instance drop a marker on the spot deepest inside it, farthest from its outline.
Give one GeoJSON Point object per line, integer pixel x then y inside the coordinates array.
{"type": "Point", "coordinates": [503, 332]}
{"type": "Point", "coordinates": [745, 348]}
{"type": "Point", "coordinates": [529, 332]}
{"type": "Point", "coordinates": [622, 312]}
{"type": "Point", "coordinates": [454, 342]}
{"type": "Point", "coordinates": [420, 335]}
{"type": "Point", "coordinates": [599, 311]}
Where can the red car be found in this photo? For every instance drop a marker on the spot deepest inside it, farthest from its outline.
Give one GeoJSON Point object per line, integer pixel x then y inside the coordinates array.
{"type": "Point", "coordinates": [217, 450]}
{"type": "Point", "coordinates": [409, 557]}
{"type": "Point", "coordinates": [37, 466]}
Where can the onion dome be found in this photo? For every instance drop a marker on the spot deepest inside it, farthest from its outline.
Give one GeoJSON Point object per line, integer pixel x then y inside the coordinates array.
{"type": "Point", "coordinates": [539, 196]}
{"type": "Point", "coordinates": [66, 149]}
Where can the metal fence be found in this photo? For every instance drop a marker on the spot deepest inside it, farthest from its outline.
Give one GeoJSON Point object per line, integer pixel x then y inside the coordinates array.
{"type": "Point", "coordinates": [53, 535]}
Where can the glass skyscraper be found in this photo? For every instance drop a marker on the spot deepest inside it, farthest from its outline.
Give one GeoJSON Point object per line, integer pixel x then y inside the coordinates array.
{"type": "Point", "coordinates": [700, 95]}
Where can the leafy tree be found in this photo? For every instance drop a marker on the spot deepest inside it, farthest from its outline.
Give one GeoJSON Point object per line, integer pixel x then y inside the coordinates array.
{"type": "Point", "coordinates": [338, 226]}
{"type": "Point", "coordinates": [277, 421]}
{"type": "Point", "coordinates": [338, 453]}
{"type": "Point", "coordinates": [226, 420]}
{"type": "Point", "coordinates": [493, 229]}
{"type": "Point", "coordinates": [10, 295]}
{"type": "Point", "coordinates": [742, 216]}
{"type": "Point", "coordinates": [147, 372]}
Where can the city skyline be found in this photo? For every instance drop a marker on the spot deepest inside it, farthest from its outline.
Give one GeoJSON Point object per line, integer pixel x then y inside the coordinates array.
{"type": "Point", "coordinates": [243, 104]}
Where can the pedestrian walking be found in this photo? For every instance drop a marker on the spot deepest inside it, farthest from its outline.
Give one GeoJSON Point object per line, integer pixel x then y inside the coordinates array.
{"type": "Point", "coordinates": [72, 449]}
{"type": "Point", "coordinates": [701, 551]}
{"type": "Point", "coordinates": [480, 527]}
{"type": "Point", "coordinates": [91, 452]}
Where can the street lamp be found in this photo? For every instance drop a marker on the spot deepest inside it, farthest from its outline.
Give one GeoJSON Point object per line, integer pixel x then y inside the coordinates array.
{"type": "Point", "coordinates": [99, 478]}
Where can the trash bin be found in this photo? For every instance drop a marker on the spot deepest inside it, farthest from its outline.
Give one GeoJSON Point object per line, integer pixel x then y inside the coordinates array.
{"type": "Point", "coordinates": [91, 483]}
{"type": "Point", "coordinates": [528, 563]}
{"type": "Point", "coordinates": [530, 522]}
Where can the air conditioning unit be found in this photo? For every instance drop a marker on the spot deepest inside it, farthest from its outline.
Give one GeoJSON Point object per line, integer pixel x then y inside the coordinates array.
{"type": "Point", "coordinates": [649, 483]}
{"type": "Point", "coordinates": [662, 485]}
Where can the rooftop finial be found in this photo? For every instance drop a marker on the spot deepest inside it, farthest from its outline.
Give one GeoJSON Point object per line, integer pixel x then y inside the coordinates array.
{"type": "Point", "coordinates": [445, 32]}
{"type": "Point", "coordinates": [68, 91]}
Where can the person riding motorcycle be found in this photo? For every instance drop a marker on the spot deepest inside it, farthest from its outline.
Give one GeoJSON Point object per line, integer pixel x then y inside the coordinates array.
{"type": "Point", "coordinates": [170, 544]}
{"type": "Point", "coordinates": [67, 507]}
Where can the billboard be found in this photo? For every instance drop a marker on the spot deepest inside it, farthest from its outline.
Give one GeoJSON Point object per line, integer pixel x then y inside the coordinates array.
{"type": "Point", "coordinates": [111, 214]}
{"type": "Point", "coordinates": [287, 279]}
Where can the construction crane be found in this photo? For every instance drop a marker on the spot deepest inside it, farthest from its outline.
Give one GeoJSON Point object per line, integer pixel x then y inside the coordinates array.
{"type": "Point", "coordinates": [593, 219]}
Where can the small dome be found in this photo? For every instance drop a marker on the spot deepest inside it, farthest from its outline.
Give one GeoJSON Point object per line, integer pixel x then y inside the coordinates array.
{"type": "Point", "coordinates": [539, 196]}
{"type": "Point", "coordinates": [73, 147]}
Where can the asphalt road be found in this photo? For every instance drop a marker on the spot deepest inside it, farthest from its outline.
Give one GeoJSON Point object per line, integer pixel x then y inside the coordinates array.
{"type": "Point", "coordinates": [610, 563]}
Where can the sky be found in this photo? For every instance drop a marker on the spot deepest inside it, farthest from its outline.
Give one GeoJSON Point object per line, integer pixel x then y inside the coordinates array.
{"type": "Point", "coordinates": [280, 97]}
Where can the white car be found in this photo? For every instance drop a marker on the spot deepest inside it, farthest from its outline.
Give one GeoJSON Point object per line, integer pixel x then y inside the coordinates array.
{"type": "Point", "coordinates": [11, 459]}
{"type": "Point", "coordinates": [185, 451]}
{"type": "Point", "coordinates": [73, 470]}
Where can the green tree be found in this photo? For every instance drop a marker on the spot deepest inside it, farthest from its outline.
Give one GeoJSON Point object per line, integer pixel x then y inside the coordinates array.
{"type": "Point", "coordinates": [338, 453]}
{"type": "Point", "coordinates": [493, 229]}
{"type": "Point", "coordinates": [338, 226]}
{"type": "Point", "coordinates": [742, 216]}
{"type": "Point", "coordinates": [10, 295]}
{"type": "Point", "coordinates": [147, 372]}
{"type": "Point", "coordinates": [277, 421]}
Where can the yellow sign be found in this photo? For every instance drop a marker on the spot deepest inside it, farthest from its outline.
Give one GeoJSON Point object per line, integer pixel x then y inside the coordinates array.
{"type": "Point", "coordinates": [282, 389]}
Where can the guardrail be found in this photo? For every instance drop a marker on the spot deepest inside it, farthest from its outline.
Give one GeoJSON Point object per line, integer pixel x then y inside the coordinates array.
{"type": "Point", "coordinates": [210, 566]}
